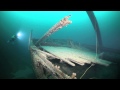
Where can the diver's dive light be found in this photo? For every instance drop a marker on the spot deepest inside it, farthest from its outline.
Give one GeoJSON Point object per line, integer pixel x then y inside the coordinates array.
{"type": "Point", "coordinates": [19, 35]}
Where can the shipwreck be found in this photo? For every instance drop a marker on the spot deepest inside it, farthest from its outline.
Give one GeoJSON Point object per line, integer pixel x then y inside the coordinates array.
{"type": "Point", "coordinates": [53, 57]}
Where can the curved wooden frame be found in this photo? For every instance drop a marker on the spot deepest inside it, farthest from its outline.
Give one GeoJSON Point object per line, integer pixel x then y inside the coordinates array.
{"type": "Point", "coordinates": [96, 28]}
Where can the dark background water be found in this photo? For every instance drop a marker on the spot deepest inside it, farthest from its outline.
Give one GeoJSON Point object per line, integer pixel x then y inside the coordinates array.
{"type": "Point", "coordinates": [15, 58]}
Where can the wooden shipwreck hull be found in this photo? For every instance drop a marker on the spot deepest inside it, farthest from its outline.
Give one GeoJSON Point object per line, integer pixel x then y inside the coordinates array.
{"type": "Point", "coordinates": [66, 53]}
{"type": "Point", "coordinates": [43, 67]}
{"type": "Point", "coordinates": [43, 56]}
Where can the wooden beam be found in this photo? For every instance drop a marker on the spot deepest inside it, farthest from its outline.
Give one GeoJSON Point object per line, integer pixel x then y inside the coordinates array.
{"type": "Point", "coordinates": [56, 27]}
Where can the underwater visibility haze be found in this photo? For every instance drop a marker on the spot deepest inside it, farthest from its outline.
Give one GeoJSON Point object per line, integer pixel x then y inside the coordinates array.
{"type": "Point", "coordinates": [15, 28]}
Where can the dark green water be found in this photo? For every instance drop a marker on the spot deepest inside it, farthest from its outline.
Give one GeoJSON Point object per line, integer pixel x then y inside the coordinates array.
{"type": "Point", "coordinates": [15, 58]}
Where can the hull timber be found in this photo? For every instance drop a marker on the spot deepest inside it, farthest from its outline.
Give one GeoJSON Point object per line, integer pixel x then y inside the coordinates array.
{"type": "Point", "coordinates": [43, 54]}
{"type": "Point", "coordinates": [43, 67]}
{"type": "Point", "coordinates": [42, 57]}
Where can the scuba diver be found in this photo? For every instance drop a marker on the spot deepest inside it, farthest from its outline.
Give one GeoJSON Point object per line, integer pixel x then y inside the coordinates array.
{"type": "Point", "coordinates": [12, 39]}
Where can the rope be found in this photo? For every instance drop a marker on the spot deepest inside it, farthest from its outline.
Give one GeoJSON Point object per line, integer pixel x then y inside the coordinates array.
{"type": "Point", "coordinates": [86, 71]}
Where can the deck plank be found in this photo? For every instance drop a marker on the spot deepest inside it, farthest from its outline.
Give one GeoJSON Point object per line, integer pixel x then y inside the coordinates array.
{"type": "Point", "coordinates": [79, 56]}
